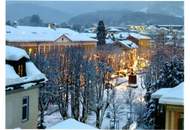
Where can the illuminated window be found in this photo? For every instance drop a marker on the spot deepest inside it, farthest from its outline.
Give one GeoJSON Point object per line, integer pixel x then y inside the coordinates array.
{"type": "Point", "coordinates": [20, 67]}
{"type": "Point", "coordinates": [20, 70]}
{"type": "Point", "coordinates": [30, 51]}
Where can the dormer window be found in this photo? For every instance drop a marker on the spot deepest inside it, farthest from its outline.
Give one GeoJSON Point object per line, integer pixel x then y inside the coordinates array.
{"type": "Point", "coordinates": [19, 66]}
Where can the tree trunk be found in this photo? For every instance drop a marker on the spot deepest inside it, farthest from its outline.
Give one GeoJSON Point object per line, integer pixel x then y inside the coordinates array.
{"type": "Point", "coordinates": [98, 118]}
{"type": "Point", "coordinates": [41, 126]}
{"type": "Point", "coordinates": [84, 110]}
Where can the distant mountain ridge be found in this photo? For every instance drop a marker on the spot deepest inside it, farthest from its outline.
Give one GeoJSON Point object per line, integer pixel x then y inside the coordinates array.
{"type": "Point", "coordinates": [64, 11]}
{"type": "Point", "coordinates": [124, 17]}
{"type": "Point", "coordinates": [18, 11]}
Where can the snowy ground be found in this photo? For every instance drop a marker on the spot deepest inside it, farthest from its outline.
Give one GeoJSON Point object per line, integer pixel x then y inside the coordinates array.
{"type": "Point", "coordinates": [52, 119]}
{"type": "Point", "coordinates": [121, 89]}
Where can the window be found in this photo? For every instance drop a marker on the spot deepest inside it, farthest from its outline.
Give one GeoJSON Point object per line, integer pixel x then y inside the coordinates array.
{"type": "Point", "coordinates": [21, 70]}
{"type": "Point", "coordinates": [25, 108]}
{"type": "Point", "coordinates": [30, 51]}
{"type": "Point", "coordinates": [181, 121]}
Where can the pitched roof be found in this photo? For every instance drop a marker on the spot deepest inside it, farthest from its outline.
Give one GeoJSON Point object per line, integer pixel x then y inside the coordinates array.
{"type": "Point", "coordinates": [173, 96]}
{"type": "Point", "coordinates": [71, 124]}
{"type": "Point", "coordinates": [128, 44]}
{"type": "Point", "coordinates": [14, 54]}
{"type": "Point", "coordinates": [139, 36]}
{"type": "Point", "coordinates": [42, 34]}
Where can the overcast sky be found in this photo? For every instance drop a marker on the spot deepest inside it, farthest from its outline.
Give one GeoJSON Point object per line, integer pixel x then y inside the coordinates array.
{"type": "Point", "coordinates": [89, 6]}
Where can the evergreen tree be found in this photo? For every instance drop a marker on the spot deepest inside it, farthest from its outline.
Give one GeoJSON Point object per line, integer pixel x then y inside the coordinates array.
{"type": "Point", "coordinates": [8, 22]}
{"type": "Point", "coordinates": [101, 33]}
{"type": "Point", "coordinates": [35, 20]}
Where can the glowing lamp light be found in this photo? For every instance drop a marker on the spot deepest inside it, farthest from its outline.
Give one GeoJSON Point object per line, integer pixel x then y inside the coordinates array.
{"type": "Point", "coordinates": [30, 50]}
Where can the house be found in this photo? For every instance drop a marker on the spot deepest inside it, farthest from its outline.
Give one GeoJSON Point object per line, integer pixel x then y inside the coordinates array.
{"type": "Point", "coordinates": [170, 107]}
{"type": "Point", "coordinates": [43, 39]}
{"type": "Point", "coordinates": [23, 80]}
{"type": "Point", "coordinates": [140, 40]}
{"type": "Point", "coordinates": [72, 124]}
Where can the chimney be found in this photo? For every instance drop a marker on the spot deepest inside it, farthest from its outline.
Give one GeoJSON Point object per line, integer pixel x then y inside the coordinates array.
{"type": "Point", "coordinates": [52, 26]}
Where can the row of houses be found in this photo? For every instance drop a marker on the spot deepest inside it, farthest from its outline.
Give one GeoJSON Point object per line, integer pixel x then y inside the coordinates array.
{"type": "Point", "coordinates": [42, 39]}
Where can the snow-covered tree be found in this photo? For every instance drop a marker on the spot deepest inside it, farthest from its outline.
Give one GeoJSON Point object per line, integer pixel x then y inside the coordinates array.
{"type": "Point", "coordinates": [115, 109]}
{"type": "Point", "coordinates": [44, 63]}
{"type": "Point", "coordinates": [101, 95]}
{"type": "Point", "coordinates": [88, 75]}
{"type": "Point", "coordinates": [164, 71]}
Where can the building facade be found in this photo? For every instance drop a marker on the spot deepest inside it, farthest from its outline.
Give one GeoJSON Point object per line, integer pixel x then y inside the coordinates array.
{"type": "Point", "coordinates": [23, 81]}
{"type": "Point", "coordinates": [43, 39]}
{"type": "Point", "coordinates": [169, 108]}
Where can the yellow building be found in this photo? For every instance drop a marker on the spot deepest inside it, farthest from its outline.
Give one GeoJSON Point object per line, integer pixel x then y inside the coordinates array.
{"type": "Point", "coordinates": [23, 81]}
{"type": "Point", "coordinates": [43, 39]}
{"type": "Point", "coordinates": [140, 40]}
{"type": "Point", "coordinates": [170, 107]}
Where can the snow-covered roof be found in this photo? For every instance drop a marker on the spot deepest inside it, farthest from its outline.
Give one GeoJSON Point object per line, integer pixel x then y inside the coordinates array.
{"type": "Point", "coordinates": [128, 44]}
{"type": "Point", "coordinates": [113, 29]}
{"type": "Point", "coordinates": [160, 92]}
{"type": "Point", "coordinates": [173, 96]}
{"type": "Point", "coordinates": [79, 37]}
{"type": "Point", "coordinates": [91, 35]}
{"type": "Point", "coordinates": [152, 27]}
{"type": "Point", "coordinates": [121, 35]}
{"type": "Point", "coordinates": [32, 72]}
{"type": "Point", "coordinates": [109, 41]}
{"type": "Point", "coordinates": [139, 36]}
{"type": "Point", "coordinates": [164, 28]}
{"type": "Point", "coordinates": [71, 124]}
{"type": "Point", "coordinates": [28, 34]}
{"type": "Point", "coordinates": [10, 72]}
{"type": "Point", "coordinates": [14, 54]}
{"type": "Point", "coordinates": [42, 34]}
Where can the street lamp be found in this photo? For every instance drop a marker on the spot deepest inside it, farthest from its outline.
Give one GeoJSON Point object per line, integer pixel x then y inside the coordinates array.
{"type": "Point", "coordinates": [132, 82]}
